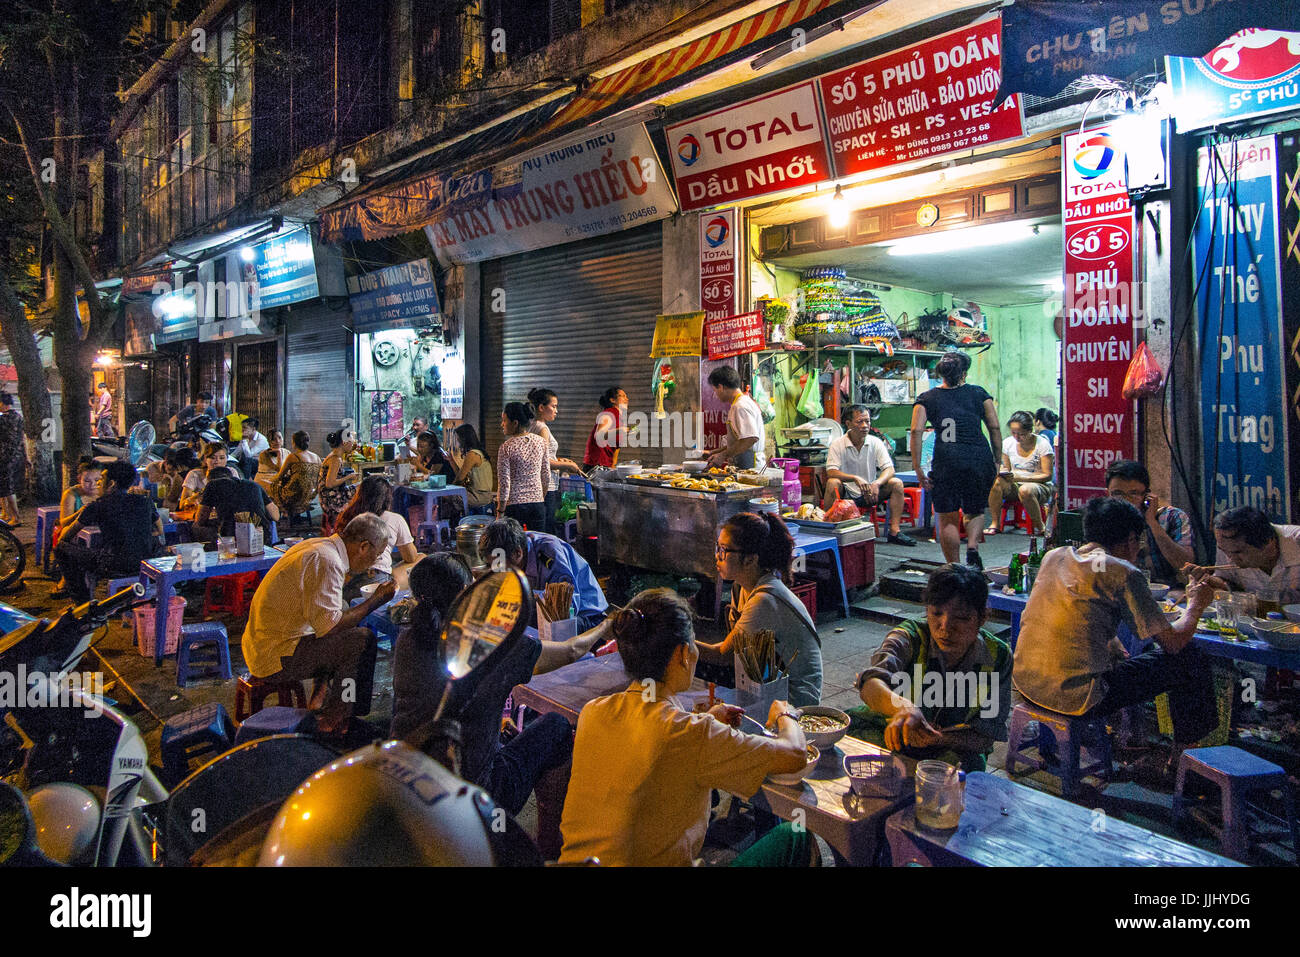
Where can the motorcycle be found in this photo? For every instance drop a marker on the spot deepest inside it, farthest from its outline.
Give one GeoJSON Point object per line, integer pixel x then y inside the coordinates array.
{"type": "Point", "coordinates": [386, 803]}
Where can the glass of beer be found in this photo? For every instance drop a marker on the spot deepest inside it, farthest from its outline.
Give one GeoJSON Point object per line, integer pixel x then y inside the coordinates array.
{"type": "Point", "coordinates": [1268, 599]}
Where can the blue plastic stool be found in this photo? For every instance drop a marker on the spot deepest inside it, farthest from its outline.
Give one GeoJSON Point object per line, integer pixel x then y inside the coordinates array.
{"type": "Point", "coordinates": [1070, 734]}
{"type": "Point", "coordinates": [439, 534]}
{"type": "Point", "coordinates": [47, 516]}
{"type": "Point", "coordinates": [197, 733]}
{"type": "Point", "coordinates": [209, 638]}
{"type": "Point", "coordinates": [1237, 773]}
{"type": "Point", "coordinates": [272, 720]}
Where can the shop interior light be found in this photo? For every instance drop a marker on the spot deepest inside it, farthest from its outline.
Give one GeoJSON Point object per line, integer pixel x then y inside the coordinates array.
{"type": "Point", "coordinates": [973, 237]}
{"type": "Point", "coordinates": [838, 214]}
{"type": "Point", "coordinates": [246, 254]}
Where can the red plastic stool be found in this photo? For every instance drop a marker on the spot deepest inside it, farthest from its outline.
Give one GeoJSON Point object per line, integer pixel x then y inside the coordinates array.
{"type": "Point", "coordinates": [251, 694]}
{"type": "Point", "coordinates": [229, 594]}
{"type": "Point", "coordinates": [961, 523]}
{"type": "Point", "coordinates": [913, 495]}
{"type": "Point", "coordinates": [1019, 516]}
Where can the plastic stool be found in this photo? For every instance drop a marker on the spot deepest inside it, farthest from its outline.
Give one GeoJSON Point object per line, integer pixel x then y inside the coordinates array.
{"type": "Point", "coordinates": [1070, 733]}
{"type": "Point", "coordinates": [47, 516]}
{"type": "Point", "coordinates": [913, 496]}
{"type": "Point", "coordinates": [1020, 516]}
{"type": "Point", "coordinates": [1237, 773]}
{"type": "Point", "coordinates": [229, 594]}
{"type": "Point", "coordinates": [199, 732]}
{"type": "Point", "coordinates": [272, 720]}
{"type": "Point", "coordinates": [209, 637]}
{"type": "Point", "coordinates": [251, 694]}
{"type": "Point", "coordinates": [439, 534]}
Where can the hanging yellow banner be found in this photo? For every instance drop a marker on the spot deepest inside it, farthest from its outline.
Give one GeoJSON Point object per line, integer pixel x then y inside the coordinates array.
{"type": "Point", "coordinates": [678, 335]}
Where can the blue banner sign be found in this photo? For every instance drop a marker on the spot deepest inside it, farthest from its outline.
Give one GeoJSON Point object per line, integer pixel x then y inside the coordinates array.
{"type": "Point", "coordinates": [286, 269]}
{"type": "Point", "coordinates": [398, 297]}
{"type": "Point", "coordinates": [1243, 418]}
{"type": "Point", "coordinates": [1253, 73]}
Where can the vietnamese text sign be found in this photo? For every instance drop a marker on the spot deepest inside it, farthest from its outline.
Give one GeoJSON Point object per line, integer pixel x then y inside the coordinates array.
{"type": "Point", "coordinates": [677, 335]}
{"type": "Point", "coordinates": [1252, 73]}
{"type": "Point", "coordinates": [761, 146]}
{"type": "Point", "coordinates": [712, 409]}
{"type": "Point", "coordinates": [286, 269]}
{"type": "Point", "coordinates": [607, 182]}
{"type": "Point", "coordinates": [735, 335]}
{"type": "Point", "coordinates": [1243, 417]}
{"type": "Point", "coordinates": [1099, 303]}
{"type": "Point", "coordinates": [924, 100]}
{"type": "Point", "coordinates": [718, 263]}
{"type": "Point", "coordinates": [395, 297]}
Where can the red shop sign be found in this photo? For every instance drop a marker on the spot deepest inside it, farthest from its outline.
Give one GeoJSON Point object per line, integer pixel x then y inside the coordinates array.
{"type": "Point", "coordinates": [924, 100]}
{"type": "Point", "coordinates": [735, 335]}
{"type": "Point", "coordinates": [764, 145]}
{"type": "Point", "coordinates": [1101, 302]}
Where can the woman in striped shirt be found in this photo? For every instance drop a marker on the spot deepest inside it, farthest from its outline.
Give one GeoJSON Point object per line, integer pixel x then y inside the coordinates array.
{"type": "Point", "coordinates": [523, 469]}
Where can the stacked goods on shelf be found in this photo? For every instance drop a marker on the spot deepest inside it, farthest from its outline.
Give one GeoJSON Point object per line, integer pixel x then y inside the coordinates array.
{"type": "Point", "coordinates": [821, 320]}
{"type": "Point", "coordinates": [867, 318]}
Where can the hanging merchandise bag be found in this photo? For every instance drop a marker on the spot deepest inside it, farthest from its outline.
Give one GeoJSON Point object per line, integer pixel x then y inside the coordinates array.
{"type": "Point", "coordinates": [1144, 376]}
{"type": "Point", "coordinates": [765, 403]}
{"type": "Point", "coordinates": [810, 403]}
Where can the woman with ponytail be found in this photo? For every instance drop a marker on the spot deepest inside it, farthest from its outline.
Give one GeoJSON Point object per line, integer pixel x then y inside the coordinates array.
{"type": "Point", "coordinates": [508, 773]}
{"type": "Point", "coordinates": [643, 769]}
{"type": "Point", "coordinates": [754, 552]}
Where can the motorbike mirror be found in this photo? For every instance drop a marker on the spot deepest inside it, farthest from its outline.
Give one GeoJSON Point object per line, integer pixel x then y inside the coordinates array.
{"type": "Point", "coordinates": [485, 620]}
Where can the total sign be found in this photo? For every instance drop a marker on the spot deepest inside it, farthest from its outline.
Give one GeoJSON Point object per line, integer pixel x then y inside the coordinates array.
{"type": "Point", "coordinates": [764, 145]}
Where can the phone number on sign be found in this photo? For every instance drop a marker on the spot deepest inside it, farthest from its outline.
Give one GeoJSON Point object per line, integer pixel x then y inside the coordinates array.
{"type": "Point", "coordinates": [610, 222]}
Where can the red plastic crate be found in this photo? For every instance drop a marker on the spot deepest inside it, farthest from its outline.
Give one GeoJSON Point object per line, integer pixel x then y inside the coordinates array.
{"type": "Point", "coordinates": [859, 562]}
{"type": "Point", "coordinates": [806, 591]}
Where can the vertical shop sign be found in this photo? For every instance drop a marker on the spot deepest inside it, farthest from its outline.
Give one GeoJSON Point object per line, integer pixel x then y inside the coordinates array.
{"type": "Point", "coordinates": [1100, 306]}
{"type": "Point", "coordinates": [1288, 175]}
{"type": "Point", "coordinates": [714, 410]}
{"type": "Point", "coordinates": [1243, 376]}
{"type": "Point", "coordinates": [718, 263]}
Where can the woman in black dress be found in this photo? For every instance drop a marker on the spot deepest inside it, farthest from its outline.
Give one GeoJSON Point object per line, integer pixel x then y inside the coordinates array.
{"type": "Point", "coordinates": [13, 459]}
{"type": "Point", "coordinates": [965, 462]}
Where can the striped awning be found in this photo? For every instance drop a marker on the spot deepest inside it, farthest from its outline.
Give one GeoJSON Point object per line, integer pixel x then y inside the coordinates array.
{"type": "Point", "coordinates": [628, 84]}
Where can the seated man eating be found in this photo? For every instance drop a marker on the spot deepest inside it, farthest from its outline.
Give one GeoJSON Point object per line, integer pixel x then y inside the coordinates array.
{"type": "Point", "coordinates": [1254, 555]}
{"type": "Point", "coordinates": [298, 627]}
{"type": "Point", "coordinates": [545, 559]}
{"type": "Point", "coordinates": [858, 467]}
{"type": "Point", "coordinates": [224, 498]}
{"type": "Point", "coordinates": [940, 687]}
{"type": "Point", "coordinates": [1064, 659]}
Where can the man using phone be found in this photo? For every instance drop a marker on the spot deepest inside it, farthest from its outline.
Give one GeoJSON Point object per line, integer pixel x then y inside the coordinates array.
{"type": "Point", "coordinates": [1168, 544]}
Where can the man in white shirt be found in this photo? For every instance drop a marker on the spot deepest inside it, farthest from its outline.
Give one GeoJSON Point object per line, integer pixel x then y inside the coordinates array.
{"type": "Point", "coordinates": [408, 449]}
{"type": "Point", "coordinates": [858, 467]}
{"type": "Point", "coordinates": [253, 444]}
{"type": "Point", "coordinates": [746, 439]}
{"type": "Point", "coordinates": [298, 627]}
{"type": "Point", "coordinates": [1259, 555]}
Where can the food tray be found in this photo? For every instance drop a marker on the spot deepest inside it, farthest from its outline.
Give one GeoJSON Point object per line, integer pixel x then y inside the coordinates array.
{"type": "Point", "coordinates": [826, 526]}
{"type": "Point", "coordinates": [653, 483]}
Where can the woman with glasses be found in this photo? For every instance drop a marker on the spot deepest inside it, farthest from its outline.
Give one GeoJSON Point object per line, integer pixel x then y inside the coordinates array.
{"type": "Point", "coordinates": [754, 552]}
{"type": "Point", "coordinates": [1027, 468]}
{"type": "Point", "coordinates": [644, 769]}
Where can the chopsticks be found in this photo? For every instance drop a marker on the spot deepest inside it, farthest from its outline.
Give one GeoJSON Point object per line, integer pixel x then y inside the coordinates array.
{"type": "Point", "coordinates": [556, 601]}
{"type": "Point", "coordinates": [757, 654]}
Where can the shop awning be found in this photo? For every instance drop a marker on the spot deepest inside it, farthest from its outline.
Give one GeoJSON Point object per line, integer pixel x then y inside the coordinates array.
{"type": "Point", "coordinates": [1048, 44]}
{"type": "Point", "coordinates": [631, 86]}
{"type": "Point", "coordinates": [410, 197]}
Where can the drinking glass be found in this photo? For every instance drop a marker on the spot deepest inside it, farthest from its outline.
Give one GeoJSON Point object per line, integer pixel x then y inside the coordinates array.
{"type": "Point", "coordinates": [226, 547]}
{"type": "Point", "coordinates": [938, 795]}
{"type": "Point", "coordinates": [1228, 612]}
{"type": "Point", "coordinates": [1269, 599]}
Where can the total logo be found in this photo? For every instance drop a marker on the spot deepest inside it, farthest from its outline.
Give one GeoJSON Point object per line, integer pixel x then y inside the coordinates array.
{"type": "Point", "coordinates": [1095, 155]}
{"type": "Point", "coordinates": [1253, 59]}
{"type": "Point", "coordinates": [688, 150]}
{"type": "Point", "coordinates": [716, 231]}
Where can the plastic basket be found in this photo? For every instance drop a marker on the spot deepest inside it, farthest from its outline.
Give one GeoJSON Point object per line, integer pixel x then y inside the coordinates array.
{"type": "Point", "coordinates": [805, 589]}
{"type": "Point", "coordinates": [144, 627]}
{"type": "Point", "coordinates": [574, 483]}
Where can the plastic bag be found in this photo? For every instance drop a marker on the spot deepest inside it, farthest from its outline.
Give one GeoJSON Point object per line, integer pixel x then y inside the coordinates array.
{"type": "Point", "coordinates": [765, 404]}
{"type": "Point", "coordinates": [1144, 376]}
{"type": "Point", "coordinates": [569, 506]}
{"type": "Point", "coordinates": [810, 403]}
{"type": "Point", "coordinates": [842, 511]}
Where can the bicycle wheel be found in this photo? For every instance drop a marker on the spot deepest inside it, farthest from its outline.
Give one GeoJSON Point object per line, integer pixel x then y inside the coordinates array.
{"type": "Point", "coordinates": [13, 557]}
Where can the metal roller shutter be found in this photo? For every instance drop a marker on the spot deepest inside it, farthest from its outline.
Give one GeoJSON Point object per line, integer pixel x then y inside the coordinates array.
{"type": "Point", "coordinates": [319, 390]}
{"type": "Point", "coordinates": [578, 319]}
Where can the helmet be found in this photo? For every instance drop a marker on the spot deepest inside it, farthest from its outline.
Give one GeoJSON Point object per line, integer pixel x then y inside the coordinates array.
{"type": "Point", "coordinates": [67, 822]}
{"type": "Point", "coordinates": [384, 804]}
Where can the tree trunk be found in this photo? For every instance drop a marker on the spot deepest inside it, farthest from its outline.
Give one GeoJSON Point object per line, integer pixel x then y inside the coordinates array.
{"type": "Point", "coordinates": [73, 355]}
{"type": "Point", "coordinates": [38, 419]}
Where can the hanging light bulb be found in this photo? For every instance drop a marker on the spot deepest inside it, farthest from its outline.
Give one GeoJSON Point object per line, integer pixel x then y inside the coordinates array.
{"type": "Point", "coordinates": [838, 216]}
